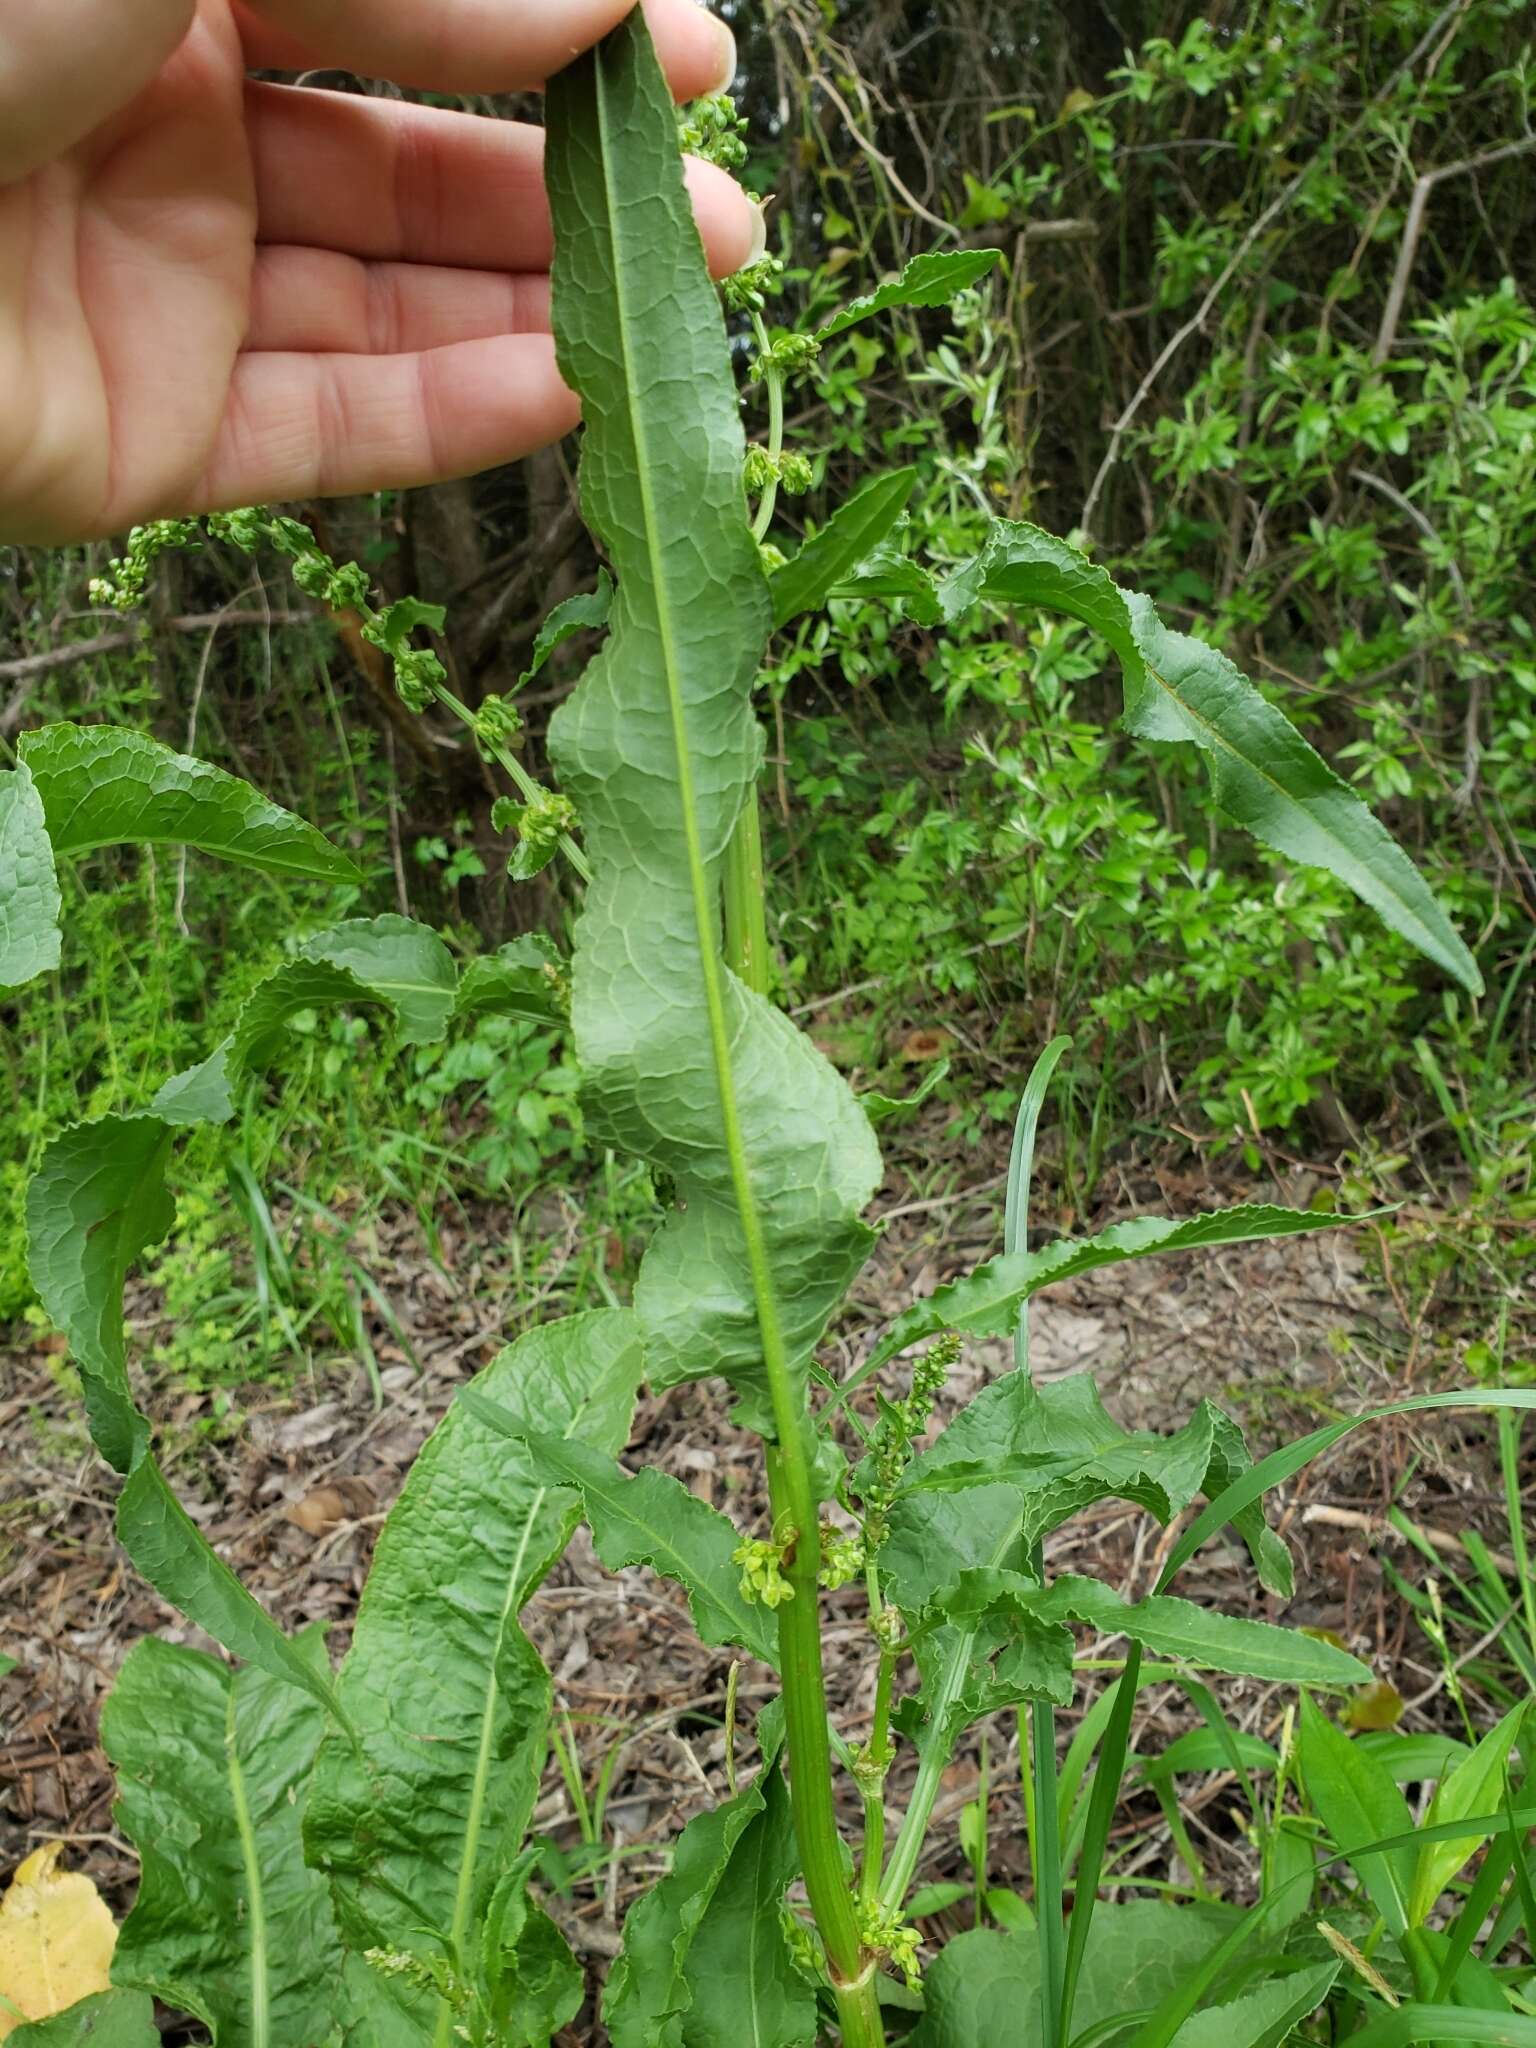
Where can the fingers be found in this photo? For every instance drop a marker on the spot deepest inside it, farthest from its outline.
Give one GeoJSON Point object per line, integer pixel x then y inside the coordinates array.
{"type": "Point", "coordinates": [390, 182]}
{"type": "Point", "coordinates": [317, 302]}
{"type": "Point", "coordinates": [479, 45]}
{"type": "Point", "coordinates": [66, 65]}
{"type": "Point", "coordinates": [301, 426]}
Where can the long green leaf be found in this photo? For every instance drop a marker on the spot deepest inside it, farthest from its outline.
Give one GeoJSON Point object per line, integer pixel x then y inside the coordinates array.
{"type": "Point", "coordinates": [101, 786]}
{"type": "Point", "coordinates": [772, 1159]}
{"type": "Point", "coordinates": [97, 1201]}
{"type": "Point", "coordinates": [987, 1301]}
{"type": "Point", "coordinates": [1410, 2023]}
{"type": "Point", "coordinates": [650, 1518]}
{"type": "Point", "coordinates": [212, 1774]}
{"type": "Point", "coordinates": [29, 887]}
{"type": "Point", "coordinates": [1360, 1806]}
{"type": "Point", "coordinates": [420, 1819]}
{"type": "Point", "coordinates": [855, 529]}
{"type": "Point", "coordinates": [1264, 774]}
{"type": "Point", "coordinates": [1470, 1788]}
{"type": "Point", "coordinates": [930, 280]}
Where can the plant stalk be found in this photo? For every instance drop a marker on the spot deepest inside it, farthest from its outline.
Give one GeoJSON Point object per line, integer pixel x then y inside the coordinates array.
{"type": "Point", "coordinates": [808, 1731]}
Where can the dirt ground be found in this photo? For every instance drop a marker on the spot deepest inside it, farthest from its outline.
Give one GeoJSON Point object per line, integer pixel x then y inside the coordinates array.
{"type": "Point", "coordinates": [1286, 1335]}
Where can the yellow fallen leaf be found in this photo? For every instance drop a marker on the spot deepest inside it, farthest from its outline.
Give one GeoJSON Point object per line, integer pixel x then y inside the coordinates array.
{"type": "Point", "coordinates": [56, 1940]}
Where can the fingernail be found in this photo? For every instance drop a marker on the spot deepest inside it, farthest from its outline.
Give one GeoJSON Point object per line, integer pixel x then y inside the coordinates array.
{"type": "Point", "coordinates": [725, 77]}
{"type": "Point", "coordinates": [759, 235]}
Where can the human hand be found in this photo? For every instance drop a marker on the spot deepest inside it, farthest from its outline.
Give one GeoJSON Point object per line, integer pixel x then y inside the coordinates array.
{"type": "Point", "coordinates": [216, 292]}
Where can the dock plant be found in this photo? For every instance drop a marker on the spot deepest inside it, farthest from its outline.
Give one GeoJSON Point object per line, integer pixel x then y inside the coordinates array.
{"type": "Point", "coordinates": [341, 1855]}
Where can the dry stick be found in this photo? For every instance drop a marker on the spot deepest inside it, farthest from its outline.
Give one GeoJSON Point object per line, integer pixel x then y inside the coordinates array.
{"type": "Point", "coordinates": [29, 666]}
{"type": "Point", "coordinates": [1413, 229]}
{"type": "Point", "coordinates": [1271, 213]}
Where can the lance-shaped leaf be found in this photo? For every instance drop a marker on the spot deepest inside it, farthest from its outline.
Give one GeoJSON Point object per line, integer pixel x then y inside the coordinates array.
{"type": "Point", "coordinates": [29, 887]}
{"type": "Point", "coordinates": [930, 280]}
{"type": "Point", "coordinates": [586, 612]}
{"type": "Point", "coordinates": [213, 1771]}
{"type": "Point", "coordinates": [97, 1200]}
{"type": "Point", "coordinates": [1264, 774]}
{"type": "Point", "coordinates": [419, 1821]}
{"type": "Point", "coordinates": [986, 1302]}
{"type": "Point", "coordinates": [855, 529]}
{"type": "Point", "coordinates": [772, 1159]}
{"type": "Point", "coordinates": [112, 2019]}
{"type": "Point", "coordinates": [651, 1988]}
{"type": "Point", "coordinates": [1262, 2018]}
{"type": "Point", "coordinates": [389, 962]}
{"type": "Point", "coordinates": [1472, 1787]}
{"type": "Point", "coordinates": [1204, 1636]}
{"type": "Point", "coordinates": [650, 1518]}
{"type": "Point", "coordinates": [1359, 1804]}
{"type": "Point", "coordinates": [101, 786]}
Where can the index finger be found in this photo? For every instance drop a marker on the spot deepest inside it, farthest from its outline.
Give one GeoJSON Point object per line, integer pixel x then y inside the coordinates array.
{"type": "Point", "coordinates": [478, 45]}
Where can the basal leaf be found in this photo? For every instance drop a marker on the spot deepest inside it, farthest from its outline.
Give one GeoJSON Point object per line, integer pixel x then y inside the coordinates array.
{"type": "Point", "coordinates": [659, 748]}
{"type": "Point", "coordinates": [213, 1771]}
{"type": "Point", "coordinates": [854, 530]}
{"type": "Point", "coordinates": [747, 1992]}
{"type": "Point", "coordinates": [101, 786]}
{"type": "Point", "coordinates": [112, 2019]}
{"type": "Point", "coordinates": [650, 1518]}
{"type": "Point", "coordinates": [29, 886]}
{"type": "Point", "coordinates": [1264, 774]}
{"type": "Point", "coordinates": [649, 1989]}
{"type": "Point", "coordinates": [97, 1200]}
{"type": "Point", "coordinates": [987, 1301]}
{"type": "Point", "coordinates": [1262, 2018]}
{"type": "Point", "coordinates": [1472, 1787]}
{"type": "Point", "coordinates": [930, 280]}
{"type": "Point", "coordinates": [984, 1988]}
{"type": "Point", "coordinates": [419, 1822]}
{"type": "Point", "coordinates": [1359, 1804]}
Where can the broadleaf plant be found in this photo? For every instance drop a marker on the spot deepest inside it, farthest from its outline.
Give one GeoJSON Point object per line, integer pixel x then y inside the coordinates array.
{"type": "Point", "coordinates": [337, 1859]}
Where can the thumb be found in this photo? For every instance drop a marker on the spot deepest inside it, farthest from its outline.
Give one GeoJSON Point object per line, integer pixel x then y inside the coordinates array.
{"type": "Point", "coordinates": [66, 65]}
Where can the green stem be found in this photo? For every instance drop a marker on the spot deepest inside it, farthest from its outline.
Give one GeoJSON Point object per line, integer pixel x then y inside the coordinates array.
{"type": "Point", "coordinates": [1510, 1421]}
{"type": "Point", "coordinates": [773, 378]}
{"type": "Point", "coordinates": [1048, 1894]}
{"type": "Point", "coordinates": [255, 1899]}
{"type": "Point", "coordinates": [878, 1751]}
{"type": "Point", "coordinates": [858, 2011]}
{"type": "Point", "coordinates": [808, 1729]}
{"type": "Point", "coordinates": [528, 789]}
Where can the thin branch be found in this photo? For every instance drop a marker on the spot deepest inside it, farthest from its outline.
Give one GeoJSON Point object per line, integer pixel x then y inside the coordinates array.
{"type": "Point", "coordinates": [1413, 229]}
{"type": "Point", "coordinates": [29, 667]}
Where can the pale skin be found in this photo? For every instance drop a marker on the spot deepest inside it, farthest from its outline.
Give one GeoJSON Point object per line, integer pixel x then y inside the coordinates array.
{"type": "Point", "coordinates": [219, 292]}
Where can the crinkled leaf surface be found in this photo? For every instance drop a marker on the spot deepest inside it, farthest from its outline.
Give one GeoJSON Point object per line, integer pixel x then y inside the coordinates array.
{"type": "Point", "coordinates": [747, 1992]}
{"type": "Point", "coordinates": [586, 612]}
{"type": "Point", "coordinates": [987, 1301]}
{"type": "Point", "coordinates": [984, 1987]}
{"type": "Point", "coordinates": [112, 2019]}
{"type": "Point", "coordinates": [29, 886]}
{"type": "Point", "coordinates": [400, 962]}
{"type": "Point", "coordinates": [651, 1987]}
{"type": "Point", "coordinates": [650, 1518]}
{"type": "Point", "coordinates": [659, 748]}
{"type": "Point", "coordinates": [930, 280]}
{"type": "Point", "coordinates": [1264, 774]}
{"type": "Point", "coordinates": [855, 529]}
{"type": "Point", "coordinates": [101, 786]}
{"type": "Point", "coordinates": [96, 1201]}
{"type": "Point", "coordinates": [213, 1770]}
{"type": "Point", "coordinates": [417, 1827]}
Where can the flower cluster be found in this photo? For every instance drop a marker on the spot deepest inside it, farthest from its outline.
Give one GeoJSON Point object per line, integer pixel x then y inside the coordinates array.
{"type": "Point", "coordinates": [787, 355]}
{"type": "Point", "coordinates": [540, 824]}
{"type": "Point", "coordinates": [794, 472]}
{"type": "Point", "coordinates": [842, 1556]}
{"type": "Point", "coordinates": [884, 1931]}
{"type": "Point", "coordinates": [127, 577]}
{"type": "Point", "coordinates": [762, 1571]}
{"type": "Point", "coordinates": [901, 1423]}
{"type": "Point", "coordinates": [713, 129]}
{"type": "Point", "coordinates": [497, 724]}
{"type": "Point", "coordinates": [749, 290]}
